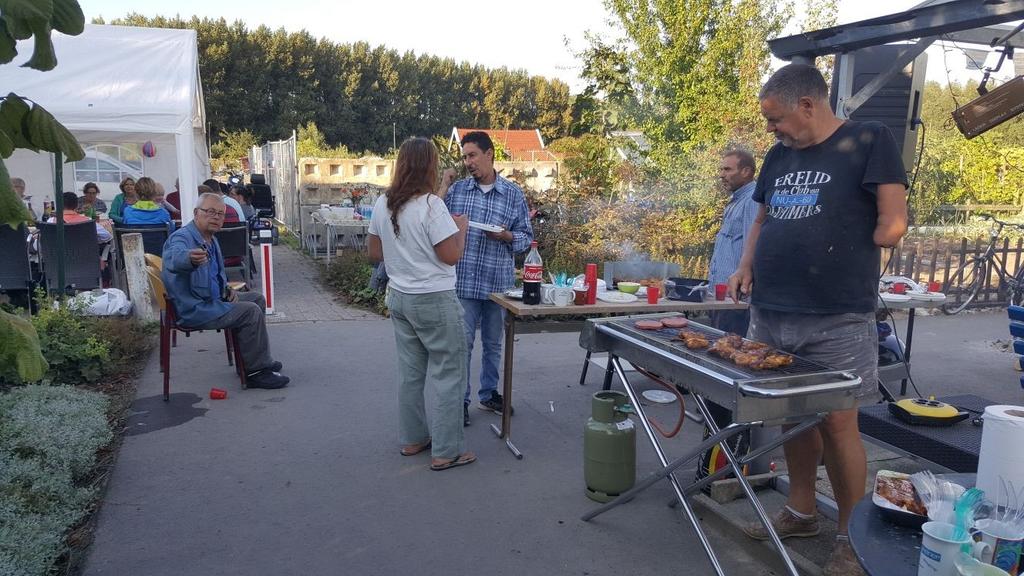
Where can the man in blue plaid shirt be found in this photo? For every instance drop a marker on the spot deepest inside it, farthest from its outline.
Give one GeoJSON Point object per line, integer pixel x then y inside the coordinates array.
{"type": "Point", "coordinates": [487, 265]}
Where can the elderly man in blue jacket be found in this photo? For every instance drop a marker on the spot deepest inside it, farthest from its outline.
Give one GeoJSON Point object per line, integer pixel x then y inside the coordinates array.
{"type": "Point", "coordinates": [194, 277]}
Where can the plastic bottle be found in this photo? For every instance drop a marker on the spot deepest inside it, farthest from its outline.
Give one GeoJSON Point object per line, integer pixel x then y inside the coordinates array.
{"type": "Point", "coordinates": [533, 275]}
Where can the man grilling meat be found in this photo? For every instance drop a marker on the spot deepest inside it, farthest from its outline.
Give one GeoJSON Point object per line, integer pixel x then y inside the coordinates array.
{"type": "Point", "coordinates": [832, 192]}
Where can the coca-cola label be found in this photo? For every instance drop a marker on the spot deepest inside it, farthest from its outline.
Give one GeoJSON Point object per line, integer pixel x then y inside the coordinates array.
{"type": "Point", "coordinates": [533, 273]}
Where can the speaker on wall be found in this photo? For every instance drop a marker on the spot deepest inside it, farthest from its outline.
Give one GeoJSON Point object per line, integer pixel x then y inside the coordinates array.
{"type": "Point", "coordinates": [897, 103]}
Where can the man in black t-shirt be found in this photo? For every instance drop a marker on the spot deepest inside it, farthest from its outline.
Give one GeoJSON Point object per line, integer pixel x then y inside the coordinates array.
{"type": "Point", "coordinates": [832, 192]}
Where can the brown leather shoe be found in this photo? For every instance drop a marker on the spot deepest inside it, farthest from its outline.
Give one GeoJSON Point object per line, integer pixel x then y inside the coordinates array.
{"type": "Point", "coordinates": [786, 525]}
{"type": "Point", "coordinates": [843, 562]}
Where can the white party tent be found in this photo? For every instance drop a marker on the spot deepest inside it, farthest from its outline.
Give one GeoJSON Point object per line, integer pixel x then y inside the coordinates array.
{"type": "Point", "coordinates": [118, 88]}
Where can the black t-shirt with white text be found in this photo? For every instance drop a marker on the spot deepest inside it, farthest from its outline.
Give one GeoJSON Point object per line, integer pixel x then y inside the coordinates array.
{"type": "Point", "coordinates": [816, 253]}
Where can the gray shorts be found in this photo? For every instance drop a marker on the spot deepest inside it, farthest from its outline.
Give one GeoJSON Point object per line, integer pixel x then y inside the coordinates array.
{"type": "Point", "coordinates": [841, 341]}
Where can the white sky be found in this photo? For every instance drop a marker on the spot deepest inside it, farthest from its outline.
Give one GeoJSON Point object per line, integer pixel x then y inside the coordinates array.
{"type": "Point", "coordinates": [536, 35]}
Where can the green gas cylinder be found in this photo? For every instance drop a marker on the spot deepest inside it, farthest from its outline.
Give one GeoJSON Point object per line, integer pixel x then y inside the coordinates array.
{"type": "Point", "coordinates": [609, 447]}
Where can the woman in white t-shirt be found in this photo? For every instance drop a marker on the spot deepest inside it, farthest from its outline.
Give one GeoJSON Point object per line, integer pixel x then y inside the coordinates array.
{"type": "Point", "coordinates": [420, 242]}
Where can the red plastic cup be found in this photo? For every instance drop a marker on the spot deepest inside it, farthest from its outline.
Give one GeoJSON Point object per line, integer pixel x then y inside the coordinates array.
{"type": "Point", "coordinates": [720, 291]}
{"type": "Point", "coordinates": [218, 394]}
{"type": "Point", "coordinates": [934, 287]}
{"type": "Point", "coordinates": [653, 292]}
{"type": "Point", "coordinates": [899, 288]}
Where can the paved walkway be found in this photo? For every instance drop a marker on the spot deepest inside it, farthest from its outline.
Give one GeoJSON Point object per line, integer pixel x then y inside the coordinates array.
{"type": "Point", "coordinates": [308, 480]}
{"type": "Point", "coordinates": [302, 298]}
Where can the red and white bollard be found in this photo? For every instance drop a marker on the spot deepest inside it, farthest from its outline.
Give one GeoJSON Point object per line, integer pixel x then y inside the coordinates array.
{"type": "Point", "coordinates": [267, 261]}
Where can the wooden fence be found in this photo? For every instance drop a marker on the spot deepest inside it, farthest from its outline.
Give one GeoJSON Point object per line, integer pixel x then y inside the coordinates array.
{"type": "Point", "coordinates": [926, 260]}
{"type": "Point", "coordinates": [936, 259]}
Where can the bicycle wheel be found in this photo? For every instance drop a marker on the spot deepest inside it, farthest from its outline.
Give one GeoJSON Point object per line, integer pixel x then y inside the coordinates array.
{"type": "Point", "coordinates": [972, 278]}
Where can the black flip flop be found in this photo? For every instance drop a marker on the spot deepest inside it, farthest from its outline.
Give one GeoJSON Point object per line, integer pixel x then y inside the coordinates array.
{"type": "Point", "coordinates": [462, 460]}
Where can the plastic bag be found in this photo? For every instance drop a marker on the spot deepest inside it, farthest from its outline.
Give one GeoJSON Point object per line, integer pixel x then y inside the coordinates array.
{"type": "Point", "coordinates": [104, 302]}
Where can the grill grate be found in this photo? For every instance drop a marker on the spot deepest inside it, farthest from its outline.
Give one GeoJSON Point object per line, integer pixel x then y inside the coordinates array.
{"type": "Point", "coordinates": [666, 339]}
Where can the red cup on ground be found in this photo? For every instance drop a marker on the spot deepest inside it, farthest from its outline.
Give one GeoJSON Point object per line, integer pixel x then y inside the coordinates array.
{"type": "Point", "coordinates": [934, 287]}
{"type": "Point", "coordinates": [720, 291]}
{"type": "Point", "coordinates": [653, 292]}
{"type": "Point", "coordinates": [899, 288]}
{"type": "Point", "coordinates": [218, 394]}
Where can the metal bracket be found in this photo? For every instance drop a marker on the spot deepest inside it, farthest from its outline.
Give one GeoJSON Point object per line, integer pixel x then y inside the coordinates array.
{"type": "Point", "coordinates": [846, 107]}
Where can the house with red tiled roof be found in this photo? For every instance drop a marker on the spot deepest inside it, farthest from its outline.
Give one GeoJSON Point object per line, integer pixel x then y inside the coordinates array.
{"type": "Point", "coordinates": [520, 145]}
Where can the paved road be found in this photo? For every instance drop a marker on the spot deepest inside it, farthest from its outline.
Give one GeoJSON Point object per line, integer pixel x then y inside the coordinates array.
{"type": "Point", "coordinates": [308, 480]}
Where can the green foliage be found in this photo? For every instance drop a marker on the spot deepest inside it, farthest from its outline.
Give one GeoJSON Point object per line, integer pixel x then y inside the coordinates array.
{"type": "Point", "coordinates": [21, 359]}
{"type": "Point", "coordinates": [49, 437]}
{"type": "Point", "coordinates": [74, 353]}
{"type": "Point", "coordinates": [22, 125]}
{"type": "Point", "coordinates": [310, 142]}
{"type": "Point", "coordinates": [291, 79]}
{"type": "Point", "coordinates": [349, 276]}
{"type": "Point", "coordinates": [230, 148]}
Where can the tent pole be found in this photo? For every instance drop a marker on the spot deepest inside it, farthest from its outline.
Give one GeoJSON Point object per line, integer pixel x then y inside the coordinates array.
{"type": "Point", "coordinates": [58, 207]}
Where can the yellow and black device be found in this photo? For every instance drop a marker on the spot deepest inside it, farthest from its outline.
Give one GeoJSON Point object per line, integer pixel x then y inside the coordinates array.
{"type": "Point", "coordinates": [927, 412]}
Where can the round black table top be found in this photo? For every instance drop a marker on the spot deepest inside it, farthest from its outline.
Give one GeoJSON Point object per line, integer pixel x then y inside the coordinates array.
{"type": "Point", "coordinates": [884, 548]}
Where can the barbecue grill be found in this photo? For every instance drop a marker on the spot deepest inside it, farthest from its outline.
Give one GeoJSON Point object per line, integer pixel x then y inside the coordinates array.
{"type": "Point", "coordinates": [801, 393]}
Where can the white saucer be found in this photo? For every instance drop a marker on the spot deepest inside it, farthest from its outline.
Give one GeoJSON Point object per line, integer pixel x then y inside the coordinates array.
{"type": "Point", "coordinates": [659, 396]}
{"type": "Point", "coordinates": [485, 227]}
{"type": "Point", "coordinates": [927, 296]}
{"type": "Point", "coordinates": [894, 297]}
{"type": "Point", "coordinates": [616, 297]}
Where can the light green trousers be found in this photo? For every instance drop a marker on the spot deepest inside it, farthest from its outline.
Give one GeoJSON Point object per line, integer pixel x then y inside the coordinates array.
{"type": "Point", "coordinates": [431, 344]}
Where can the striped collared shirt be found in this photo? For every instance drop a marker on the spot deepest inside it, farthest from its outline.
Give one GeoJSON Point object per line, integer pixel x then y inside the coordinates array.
{"type": "Point", "coordinates": [737, 219]}
{"type": "Point", "coordinates": [487, 265]}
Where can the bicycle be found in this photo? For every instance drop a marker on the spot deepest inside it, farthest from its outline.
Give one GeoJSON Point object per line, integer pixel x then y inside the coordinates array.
{"type": "Point", "coordinates": [975, 272]}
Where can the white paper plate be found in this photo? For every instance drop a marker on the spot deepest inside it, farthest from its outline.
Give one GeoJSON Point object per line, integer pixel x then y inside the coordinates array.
{"type": "Point", "coordinates": [894, 297]}
{"type": "Point", "coordinates": [927, 296]}
{"type": "Point", "coordinates": [485, 227]}
{"type": "Point", "coordinates": [659, 396]}
{"type": "Point", "coordinates": [616, 297]}
{"type": "Point", "coordinates": [516, 294]}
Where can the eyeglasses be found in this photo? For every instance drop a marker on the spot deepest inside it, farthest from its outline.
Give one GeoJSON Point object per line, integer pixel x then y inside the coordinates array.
{"type": "Point", "coordinates": [211, 212]}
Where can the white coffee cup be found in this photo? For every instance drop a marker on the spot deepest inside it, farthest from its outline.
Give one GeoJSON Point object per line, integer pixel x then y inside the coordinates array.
{"type": "Point", "coordinates": [939, 549]}
{"type": "Point", "coordinates": [561, 296]}
{"type": "Point", "coordinates": [546, 293]}
{"type": "Point", "coordinates": [967, 566]}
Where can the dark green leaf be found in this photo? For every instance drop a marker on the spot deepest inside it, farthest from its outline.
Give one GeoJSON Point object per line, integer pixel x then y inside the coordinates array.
{"type": "Point", "coordinates": [27, 9]}
{"type": "Point", "coordinates": [8, 45]}
{"type": "Point", "coordinates": [20, 29]}
{"type": "Point", "coordinates": [47, 134]}
{"type": "Point", "coordinates": [12, 209]}
{"type": "Point", "coordinates": [43, 55]}
{"type": "Point", "coordinates": [6, 145]}
{"type": "Point", "coordinates": [13, 118]}
{"type": "Point", "coordinates": [67, 17]}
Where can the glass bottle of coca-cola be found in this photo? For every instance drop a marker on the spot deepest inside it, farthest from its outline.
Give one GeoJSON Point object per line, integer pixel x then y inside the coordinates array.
{"type": "Point", "coordinates": [533, 275]}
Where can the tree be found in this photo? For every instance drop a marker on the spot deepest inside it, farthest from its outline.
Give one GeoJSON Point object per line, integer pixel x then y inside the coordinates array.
{"type": "Point", "coordinates": [230, 148]}
{"type": "Point", "coordinates": [687, 73]}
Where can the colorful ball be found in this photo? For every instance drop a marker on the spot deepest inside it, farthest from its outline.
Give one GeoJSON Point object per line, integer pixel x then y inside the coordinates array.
{"type": "Point", "coordinates": [148, 149]}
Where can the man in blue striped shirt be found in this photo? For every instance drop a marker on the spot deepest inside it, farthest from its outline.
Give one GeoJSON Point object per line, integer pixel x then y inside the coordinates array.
{"type": "Point", "coordinates": [736, 175]}
{"type": "Point", "coordinates": [487, 265]}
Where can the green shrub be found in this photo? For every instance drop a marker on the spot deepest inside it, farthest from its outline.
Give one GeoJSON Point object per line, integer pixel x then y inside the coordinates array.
{"type": "Point", "coordinates": [74, 354]}
{"type": "Point", "coordinates": [49, 437]}
{"type": "Point", "coordinates": [349, 275]}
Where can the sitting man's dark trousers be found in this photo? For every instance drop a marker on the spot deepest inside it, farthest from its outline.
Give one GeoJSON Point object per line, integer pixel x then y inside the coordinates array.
{"type": "Point", "coordinates": [193, 274]}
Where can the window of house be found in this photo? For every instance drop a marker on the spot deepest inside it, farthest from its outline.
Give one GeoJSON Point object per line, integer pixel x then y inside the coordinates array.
{"type": "Point", "coordinates": [310, 169]}
{"type": "Point", "coordinates": [335, 169]}
{"type": "Point", "coordinates": [382, 170]}
{"type": "Point", "coordinates": [359, 170]}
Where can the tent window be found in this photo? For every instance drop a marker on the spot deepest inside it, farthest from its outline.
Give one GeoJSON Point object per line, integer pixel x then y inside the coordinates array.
{"type": "Point", "coordinates": [108, 163]}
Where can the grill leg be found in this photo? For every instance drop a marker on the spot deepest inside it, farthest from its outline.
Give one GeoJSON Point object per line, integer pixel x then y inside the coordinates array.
{"type": "Point", "coordinates": [586, 364]}
{"type": "Point", "coordinates": [738, 471]}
